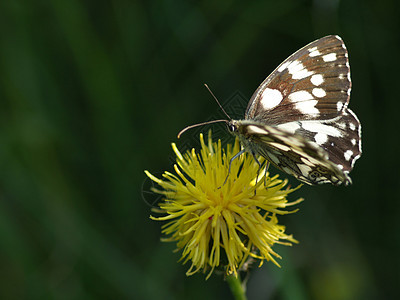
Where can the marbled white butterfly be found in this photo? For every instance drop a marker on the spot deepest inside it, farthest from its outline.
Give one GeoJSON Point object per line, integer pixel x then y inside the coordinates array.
{"type": "Point", "coordinates": [298, 117]}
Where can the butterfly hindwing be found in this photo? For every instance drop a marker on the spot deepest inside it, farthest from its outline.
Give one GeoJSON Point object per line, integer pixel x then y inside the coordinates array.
{"type": "Point", "coordinates": [292, 153]}
{"type": "Point", "coordinates": [339, 137]}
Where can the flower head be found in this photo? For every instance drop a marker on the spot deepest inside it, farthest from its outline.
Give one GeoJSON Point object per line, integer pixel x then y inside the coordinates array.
{"type": "Point", "coordinates": [217, 224]}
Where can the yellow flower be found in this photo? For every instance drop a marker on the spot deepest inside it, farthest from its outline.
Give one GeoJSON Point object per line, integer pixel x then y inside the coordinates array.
{"type": "Point", "coordinates": [217, 224]}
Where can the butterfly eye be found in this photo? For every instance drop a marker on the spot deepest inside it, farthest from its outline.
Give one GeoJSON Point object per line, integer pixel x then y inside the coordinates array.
{"type": "Point", "coordinates": [232, 127]}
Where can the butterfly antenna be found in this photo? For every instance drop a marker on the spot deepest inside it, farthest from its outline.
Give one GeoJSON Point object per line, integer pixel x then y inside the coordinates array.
{"type": "Point", "coordinates": [199, 124]}
{"type": "Point", "coordinates": [219, 104]}
{"type": "Point", "coordinates": [209, 122]}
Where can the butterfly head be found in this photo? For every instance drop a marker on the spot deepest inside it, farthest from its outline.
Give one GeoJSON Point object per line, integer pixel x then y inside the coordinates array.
{"type": "Point", "coordinates": [242, 128]}
{"type": "Point", "coordinates": [233, 126]}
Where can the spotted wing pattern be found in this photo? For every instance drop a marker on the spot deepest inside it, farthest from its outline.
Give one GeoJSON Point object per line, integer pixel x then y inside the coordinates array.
{"type": "Point", "coordinates": [298, 117]}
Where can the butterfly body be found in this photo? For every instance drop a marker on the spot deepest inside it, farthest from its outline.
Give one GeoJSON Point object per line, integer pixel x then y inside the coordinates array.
{"type": "Point", "coordinates": [298, 117]}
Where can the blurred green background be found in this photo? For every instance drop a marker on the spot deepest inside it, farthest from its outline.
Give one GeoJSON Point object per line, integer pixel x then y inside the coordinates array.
{"type": "Point", "coordinates": [93, 92]}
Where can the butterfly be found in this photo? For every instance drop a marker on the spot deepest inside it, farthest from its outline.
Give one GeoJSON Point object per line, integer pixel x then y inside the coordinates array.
{"type": "Point", "coordinates": [298, 118]}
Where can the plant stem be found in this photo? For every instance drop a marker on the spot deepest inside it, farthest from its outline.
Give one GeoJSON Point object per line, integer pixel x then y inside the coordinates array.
{"type": "Point", "coordinates": [236, 287]}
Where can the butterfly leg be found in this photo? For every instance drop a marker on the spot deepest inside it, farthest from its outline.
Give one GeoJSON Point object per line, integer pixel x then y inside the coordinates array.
{"type": "Point", "coordinates": [265, 173]}
{"type": "Point", "coordinates": [230, 163]}
{"type": "Point", "coordinates": [259, 166]}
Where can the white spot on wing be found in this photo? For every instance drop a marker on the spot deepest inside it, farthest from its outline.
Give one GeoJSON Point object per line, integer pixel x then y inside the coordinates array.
{"type": "Point", "coordinates": [318, 92]}
{"type": "Point", "coordinates": [297, 70]}
{"type": "Point", "coordinates": [280, 146]}
{"type": "Point", "coordinates": [270, 98]}
{"type": "Point", "coordinates": [317, 126]}
{"type": "Point", "coordinates": [312, 49]}
{"type": "Point", "coordinates": [321, 138]}
{"type": "Point", "coordinates": [307, 162]}
{"type": "Point", "coordinates": [305, 102]}
{"type": "Point", "coordinates": [290, 127]}
{"type": "Point", "coordinates": [339, 105]}
{"type": "Point", "coordinates": [348, 154]}
{"type": "Point", "coordinates": [329, 57]}
{"type": "Point", "coordinates": [352, 126]}
{"type": "Point", "coordinates": [304, 169]}
{"type": "Point", "coordinates": [302, 74]}
{"type": "Point", "coordinates": [295, 66]}
{"type": "Point", "coordinates": [314, 52]}
{"type": "Point", "coordinates": [256, 129]}
{"type": "Point", "coordinates": [307, 107]}
{"type": "Point", "coordinates": [359, 133]}
{"type": "Point", "coordinates": [283, 66]}
{"type": "Point", "coordinates": [317, 79]}
{"type": "Point", "coordinates": [300, 96]}
{"type": "Point", "coordinates": [354, 142]}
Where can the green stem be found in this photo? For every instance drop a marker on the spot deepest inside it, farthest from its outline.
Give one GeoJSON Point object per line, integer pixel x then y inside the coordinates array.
{"type": "Point", "coordinates": [236, 287]}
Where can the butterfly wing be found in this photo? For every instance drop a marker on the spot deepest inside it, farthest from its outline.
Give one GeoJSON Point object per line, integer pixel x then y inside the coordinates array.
{"type": "Point", "coordinates": [292, 153]}
{"type": "Point", "coordinates": [311, 84]}
{"type": "Point", "coordinates": [338, 137]}
{"type": "Point", "coordinates": [306, 97]}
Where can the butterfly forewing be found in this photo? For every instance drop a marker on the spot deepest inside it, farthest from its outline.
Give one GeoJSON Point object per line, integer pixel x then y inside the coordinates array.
{"type": "Point", "coordinates": [298, 117]}
{"type": "Point", "coordinates": [312, 83]}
